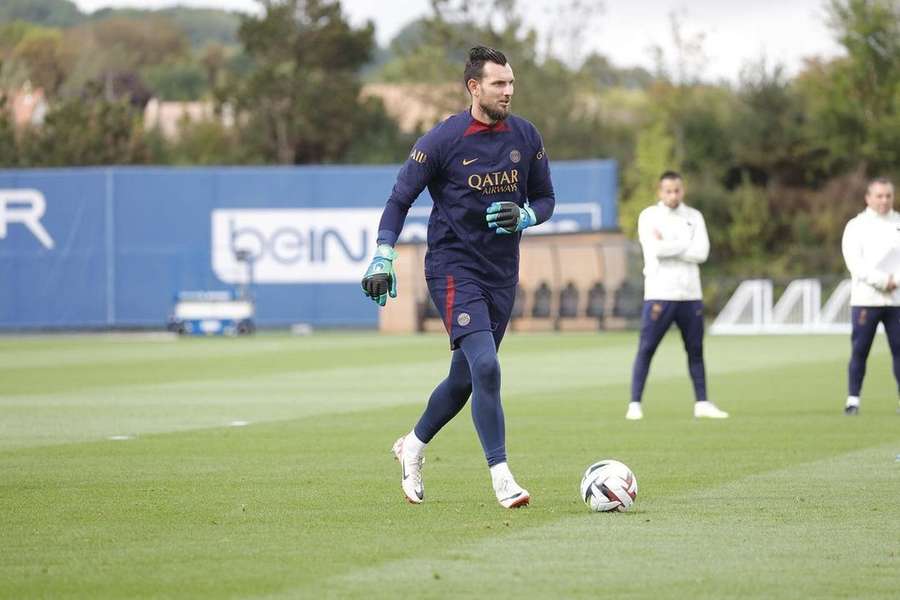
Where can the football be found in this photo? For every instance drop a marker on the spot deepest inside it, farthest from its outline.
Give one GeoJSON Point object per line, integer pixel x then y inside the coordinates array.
{"type": "Point", "coordinates": [608, 485]}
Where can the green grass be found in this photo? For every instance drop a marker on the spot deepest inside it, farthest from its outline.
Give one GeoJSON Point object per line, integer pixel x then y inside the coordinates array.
{"type": "Point", "coordinates": [787, 499]}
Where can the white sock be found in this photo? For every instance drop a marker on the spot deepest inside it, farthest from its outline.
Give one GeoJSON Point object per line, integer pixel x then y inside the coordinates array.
{"type": "Point", "coordinates": [413, 445]}
{"type": "Point", "coordinates": [499, 472]}
{"type": "Point", "coordinates": [852, 400]}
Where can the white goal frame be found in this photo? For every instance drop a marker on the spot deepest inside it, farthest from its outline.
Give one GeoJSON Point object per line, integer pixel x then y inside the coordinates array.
{"type": "Point", "coordinates": [799, 310]}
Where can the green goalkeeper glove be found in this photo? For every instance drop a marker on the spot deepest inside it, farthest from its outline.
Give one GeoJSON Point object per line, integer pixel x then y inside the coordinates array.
{"type": "Point", "coordinates": [509, 217]}
{"type": "Point", "coordinates": [380, 279]}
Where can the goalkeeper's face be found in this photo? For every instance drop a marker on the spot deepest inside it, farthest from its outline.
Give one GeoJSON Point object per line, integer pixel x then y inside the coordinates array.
{"type": "Point", "coordinates": [494, 92]}
{"type": "Point", "coordinates": [880, 197]}
{"type": "Point", "coordinates": [671, 192]}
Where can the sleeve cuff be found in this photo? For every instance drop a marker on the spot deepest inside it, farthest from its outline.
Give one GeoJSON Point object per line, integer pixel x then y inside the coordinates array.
{"type": "Point", "coordinates": [387, 237]}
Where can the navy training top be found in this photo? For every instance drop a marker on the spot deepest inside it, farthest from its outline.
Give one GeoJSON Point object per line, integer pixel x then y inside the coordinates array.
{"type": "Point", "coordinates": [467, 165]}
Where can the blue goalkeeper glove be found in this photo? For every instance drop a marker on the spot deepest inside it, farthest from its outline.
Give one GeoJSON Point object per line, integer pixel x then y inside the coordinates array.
{"type": "Point", "coordinates": [509, 217]}
{"type": "Point", "coordinates": [380, 279]}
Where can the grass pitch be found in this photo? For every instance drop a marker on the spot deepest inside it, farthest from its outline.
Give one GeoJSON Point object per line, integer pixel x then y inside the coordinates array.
{"type": "Point", "coordinates": [260, 468]}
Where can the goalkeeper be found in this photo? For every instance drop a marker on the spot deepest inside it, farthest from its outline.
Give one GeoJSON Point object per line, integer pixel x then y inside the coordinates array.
{"type": "Point", "coordinates": [489, 178]}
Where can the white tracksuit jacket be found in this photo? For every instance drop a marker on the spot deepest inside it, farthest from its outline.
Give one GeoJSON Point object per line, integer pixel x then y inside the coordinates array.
{"type": "Point", "coordinates": [671, 265]}
{"type": "Point", "coordinates": [868, 238]}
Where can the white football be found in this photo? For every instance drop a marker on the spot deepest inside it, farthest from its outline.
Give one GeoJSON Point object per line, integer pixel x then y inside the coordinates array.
{"type": "Point", "coordinates": [608, 485]}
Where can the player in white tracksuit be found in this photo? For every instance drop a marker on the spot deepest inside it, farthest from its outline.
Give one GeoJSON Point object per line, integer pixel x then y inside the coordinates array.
{"type": "Point", "coordinates": [674, 240]}
{"type": "Point", "coordinates": [871, 240]}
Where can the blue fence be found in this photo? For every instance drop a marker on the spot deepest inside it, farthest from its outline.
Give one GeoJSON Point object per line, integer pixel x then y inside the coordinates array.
{"type": "Point", "coordinates": [111, 247]}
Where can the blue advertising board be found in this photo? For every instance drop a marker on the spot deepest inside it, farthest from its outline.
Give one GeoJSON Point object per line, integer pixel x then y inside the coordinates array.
{"type": "Point", "coordinates": [112, 247]}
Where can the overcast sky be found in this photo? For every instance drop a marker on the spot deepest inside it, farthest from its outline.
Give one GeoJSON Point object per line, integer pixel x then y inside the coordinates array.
{"type": "Point", "coordinates": [733, 33]}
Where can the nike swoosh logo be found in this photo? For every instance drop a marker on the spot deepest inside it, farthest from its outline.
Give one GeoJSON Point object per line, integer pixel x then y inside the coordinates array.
{"type": "Point", "coordinates": [420, 493]}
{"type": "Point", "coordinates": [516, 495]}
{"type": "Point", "coordinates": [469, 161]}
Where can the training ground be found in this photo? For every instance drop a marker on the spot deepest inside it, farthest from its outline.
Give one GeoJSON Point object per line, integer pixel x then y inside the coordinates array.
{"type": "Point", "coordinates": [145, 466]}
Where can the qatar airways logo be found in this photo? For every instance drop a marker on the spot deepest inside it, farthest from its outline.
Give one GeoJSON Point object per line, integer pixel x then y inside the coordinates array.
{"type": "Point", "coordinates": [498, 182]}
{"type": "Point", "coordinates": [308, 245]}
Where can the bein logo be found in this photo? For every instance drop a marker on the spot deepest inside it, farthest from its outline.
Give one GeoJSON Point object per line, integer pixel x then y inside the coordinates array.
{"type": "Point", "coordinates": [25, 206]}
{"type": "Point", "coordinates": [303, 245]}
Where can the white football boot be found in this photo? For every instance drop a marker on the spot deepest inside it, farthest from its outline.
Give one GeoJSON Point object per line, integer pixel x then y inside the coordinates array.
{"type": "Point", "coordinates": [708, 410]}
{"type": "Point", "coordinates": [410, 473]}
{"type": "Point", "coordinates": [509, 493]}
{"type": "Point", "coordinates": [635, 412]}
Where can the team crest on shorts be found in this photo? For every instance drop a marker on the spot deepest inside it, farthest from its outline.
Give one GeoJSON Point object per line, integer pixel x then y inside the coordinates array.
{"type": "Point", "coordinates": [655, 311]}
{"type": "Point", "coordinates": [515, 156]}
{"type": "Point", "coordinates": [463, 319]}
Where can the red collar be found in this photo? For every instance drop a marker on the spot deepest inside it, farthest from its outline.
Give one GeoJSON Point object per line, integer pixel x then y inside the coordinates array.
{"type": "Point", "coordinates": [477, 126]}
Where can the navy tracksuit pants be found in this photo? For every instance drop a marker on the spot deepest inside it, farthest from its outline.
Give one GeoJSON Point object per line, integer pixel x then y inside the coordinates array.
{"type": "Point", "coordinates": [865, 323]}
{"type": "Point", "coordinates": [656, 318]}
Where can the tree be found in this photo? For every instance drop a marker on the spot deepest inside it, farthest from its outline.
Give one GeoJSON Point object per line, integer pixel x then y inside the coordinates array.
{"type": "Point", "coordinates": [700, 117]}
{"type": "Point", "coordinates": [205, 26]}
{"type": "Point", "coordinates": [299, 102]}
{"type": "Point", "coordinates": [50, 13]}
{"type": "Point", "coordinates": [378, 139]}
{"type": "Point", "coordinates": [205, 142]}
{"type": "Point", "coordinates": [86, 131]}
{"type": "Point", "coordinates": [40, 53]}
{"type": "Point", "coordinates": [13, 32]}
{"type": "Point", "coordinates": [750, 224]}
{"type": "Point", "coordinates": [140, 42]}
{"type": "Point", "coordinates": [213, 60]}
{"type": "Point", "coordinates": [426, 62]}
{"type": "Point", "coordinates": [768, 136]}
{"type": "Point", "coordinates": [654, 153]}
{"type": "Point", "coordinates": [855, 101]}
{"type": "Point", "coordinates": [181, 81]}
{"type": "Point", "coordinates": [599, 70]}
{"type": "Point", "coordinates": [30, 53]}
{"type": "Point", "coordinates": [690, 58]}
{"type": "Point", "coordinates": [116, 51]}
{"type": "Point", "coordinates": [434, 49]}
{"type": "Point", "coordinates": [202, 26]}
{"type": "Point", "coordinates": [9, 152]}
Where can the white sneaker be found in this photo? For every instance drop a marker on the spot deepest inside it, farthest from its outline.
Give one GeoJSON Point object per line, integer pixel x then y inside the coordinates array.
{"type": "Point", "coordinates": [510, 494]}
{"type": "Point", "coordinates": [635, 412]}
{"type": "Point", "coordinates": [708, 410]}
{"type": "Point", "coordinates": [410, 473]}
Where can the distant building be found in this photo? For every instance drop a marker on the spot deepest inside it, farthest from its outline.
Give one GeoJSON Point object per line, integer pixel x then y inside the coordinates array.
{"type": "Point", "coordinates": [413, 106]}
{"type": "Point", "coordinates": [417, 106]}
{"type": "Point", "coordinates": [28, 106]}
{"type": "Point", "coordinates": [169, 116]}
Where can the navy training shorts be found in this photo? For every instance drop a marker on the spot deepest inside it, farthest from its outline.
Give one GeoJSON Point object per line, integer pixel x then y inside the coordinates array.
{"type": "Point", "coordinates": [467, 306]}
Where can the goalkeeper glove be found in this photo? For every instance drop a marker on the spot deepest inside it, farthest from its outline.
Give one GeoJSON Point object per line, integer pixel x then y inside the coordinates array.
{"type": "Point", "coordinates": [380, 279]}
{"type": "Point", "coordinates": [509, 217]}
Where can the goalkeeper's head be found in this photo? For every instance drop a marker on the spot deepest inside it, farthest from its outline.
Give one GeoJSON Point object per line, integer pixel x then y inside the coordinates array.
{"type": "Point", "coordinates": [489, 79]}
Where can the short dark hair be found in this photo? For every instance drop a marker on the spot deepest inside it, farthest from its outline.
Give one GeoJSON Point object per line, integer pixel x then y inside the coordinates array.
{"type": "Point", "coordinates": [670, 175]}
{"type": "Point", "coordinates": [881, 180]}
{"type": "Point", "coordinates": [475, 64]}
